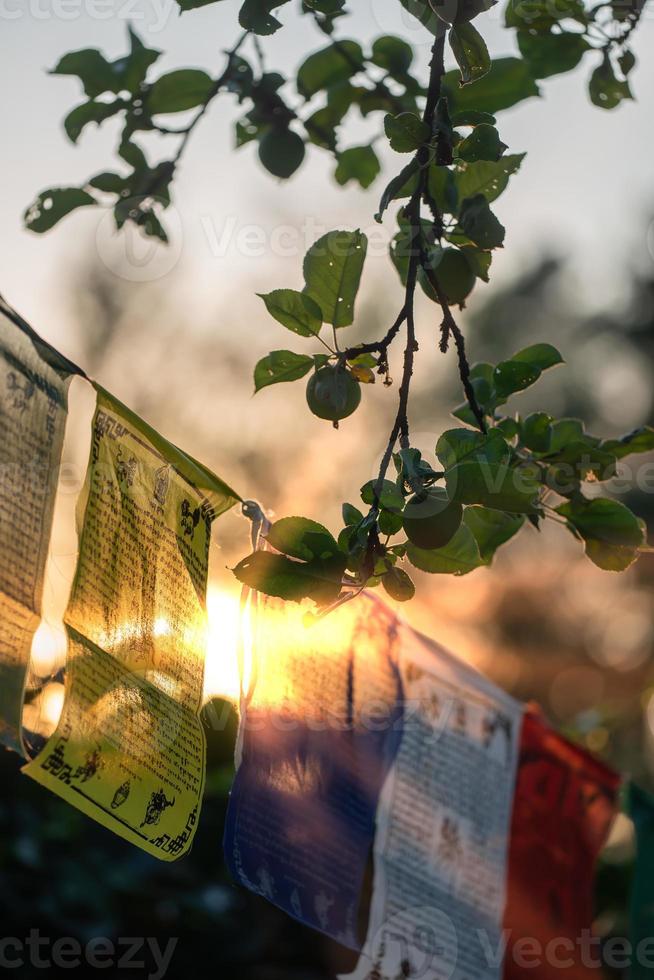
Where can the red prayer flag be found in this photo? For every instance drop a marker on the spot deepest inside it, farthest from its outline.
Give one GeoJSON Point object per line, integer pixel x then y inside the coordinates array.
{"type": "Point", "coordinates": [564, 804]}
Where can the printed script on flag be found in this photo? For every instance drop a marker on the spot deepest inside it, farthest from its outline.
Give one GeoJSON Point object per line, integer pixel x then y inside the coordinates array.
{"type": "Point", "coordinates": [34, 382]}
{"type": "Point", "coordinates": [441, 851]}
{"type": "Point", "coordinates": [129, 749]}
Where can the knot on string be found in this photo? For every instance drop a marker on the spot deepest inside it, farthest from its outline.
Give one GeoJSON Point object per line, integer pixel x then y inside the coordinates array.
{"type": "Point", "coordinates": [260, 523]}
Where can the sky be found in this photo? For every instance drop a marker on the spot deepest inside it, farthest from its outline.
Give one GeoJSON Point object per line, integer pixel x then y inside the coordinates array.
{"type": "Point", "coordinates": [585, 187]}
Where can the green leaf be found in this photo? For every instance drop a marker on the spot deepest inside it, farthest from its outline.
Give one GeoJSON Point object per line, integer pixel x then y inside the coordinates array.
{"type": "Point", "coordinates": [53, 205]}
{"type": "Point", "coordinates": [610, 557]}
{"type": "Point", "coordinates": [507, 83]}
{"type": "Point", "coordinates": [132, 154]}
{"type": "Point", "coordinates": [540, 356]}
{"type": "Point", "coordinates": [424, 12]}
{"type": "Point", "coordinates": [508, 427]}
{"type": "Point", "coordinates": [281, 365]}
{"type": "Point", "coordinates": [486, 398]}
{"type": "Point", "coordinates": [551, 54]}
{"type": "Point", "coordinates": [583, 459]}
{"type": "Point", "coordinates": [612, 533]}
{"type": "Point", "coordinates": [93, 70]}
{"type": "Point", "coordinates": [606, 91]}
{"type": "Point", "coordinates": [471, 53]}
{"type": "Point", "coordinates": [88, 112]}
{"type": "Point", "coordinates": [478, 260]}
{"type": "Point", "coordinates": [328, 66]}
{"type": "Point", "coordinates": [486, 177]}
{"type": "Point", "coordinates": [390, 498]}
{"type": "Point", "coordinates": [484, 143]}
{"type": "Point", "coordinates": [537, 432]}
{"type": "Point", "coordinates": [514, 489]}
{"type": "Point", "coordinates": [185, 5]}
{"type": "Point", "coordinates": [398, 585]}
{"type": "Point", "coordinates": [604, 520]}
{"type": "Point", "coordinates": [359, 163]}
{"type": "Point", "coordinates": [542, 14]}
{"type": "Point", "coordinates": [472, 118]}
{"type": "Point", "coordinates": [458, 557]}
{"type": "Point", "coordinates": [110, 183]}
{"type": "Point", "coordinates": [299, 537]}
{"type": "Point", "coordinates": [459, 12]}
{"type": "Point", "coordinates": [406, 132]}
{"type": "Point", "coordinates": [332, 273]}
{"type": "Point", "coordinates": [442, 188]}
{"type": "Point", "coordinates": [638, 441]}
{"type": "Point", "coordinates": [390, 522]}
{"type": "Point", "coordinates": [392, 54]}
{"type": "Point", "coordinates": [456, 445]}
{"type": "Point", "coordinates": [398, 187]}
{"type": "Point", "coordinates": [351, 515]}
{"type": "Point", "coordinates": [568, 431]}
{"type": "Point", "coordinates": [627, 62]}
{"type": "Point", "coordinates": [179, 90]}
{"type": "Point", "coordinates": [511, 376]}
{"type": "Point", "coordinates": [480, 224]}
{"type": "Point", "coordinates": [281, 151]}
{"type": "Point", "coordinates": [465, 414]}
{"type": "Point", "coordinates": [491, 528]}
{"type": "Point", "coordinates": [134, 68]}
{"type": "Point", "coordinates": [99, 75]}
{"type": "Point", "coordinates": [295, 311]}
{"type": "Point", "coordinates": [256, 16]}
{"type": "Point", "coordinates": [293, 581]}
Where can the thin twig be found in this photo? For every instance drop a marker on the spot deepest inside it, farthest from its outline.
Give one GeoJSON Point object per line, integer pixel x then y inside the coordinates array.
{"type": "Point", "coordinates": [450, 328]}
{"type": "Point", "coordinates": [412, 211]}
{"type": "Point", "coordinates": [215, 89]}
{"type": "Point", "coordinates": [377, 346]}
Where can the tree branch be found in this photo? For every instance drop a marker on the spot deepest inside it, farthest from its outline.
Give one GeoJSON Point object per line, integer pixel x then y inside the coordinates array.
{"type": "Point", "coordinates": [215, 89]}
{"type": "Point", "coordinates": [413, 212]}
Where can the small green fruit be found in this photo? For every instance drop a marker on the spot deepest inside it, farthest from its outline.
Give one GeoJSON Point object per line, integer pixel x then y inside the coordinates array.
{"type": "Point", "coordinates": [431, 520]}
{"type": "Point", "coordinates": [332, 393]}
{"type": "Point", "coordinates": [281, 151]}
{"type": "Point", "coordinates": [455, 276]}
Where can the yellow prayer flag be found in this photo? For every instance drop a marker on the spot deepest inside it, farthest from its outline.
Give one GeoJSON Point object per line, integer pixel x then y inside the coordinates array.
{"type": "Point", "coordinates": [129, 749]}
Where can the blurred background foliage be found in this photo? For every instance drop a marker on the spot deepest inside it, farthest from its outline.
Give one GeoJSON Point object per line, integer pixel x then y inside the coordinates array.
{"type": "Point", "coordinates": [542, 622]}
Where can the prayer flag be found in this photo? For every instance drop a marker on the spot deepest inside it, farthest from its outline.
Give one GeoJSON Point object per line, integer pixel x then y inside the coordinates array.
{"type": "Point", "coordinates": [34, 382]}
{"type": "Point", "coordinates": [441, 849]}
{"type": "Point", "coordinates": [319, 729]}
{"type": "Point", "coordinates": [129, 749]}
{"type": "Point", "coordinates": [565, 801]}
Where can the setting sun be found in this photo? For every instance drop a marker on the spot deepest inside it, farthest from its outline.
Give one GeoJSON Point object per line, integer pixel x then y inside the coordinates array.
{"type": "Point", "coordinates": [221, 678]}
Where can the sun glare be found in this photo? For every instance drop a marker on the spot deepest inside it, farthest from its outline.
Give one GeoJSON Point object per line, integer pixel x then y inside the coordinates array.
{"type": "Point", "coordinates": [48, 649]}
{"type": "Point", "coordinates": [284, 629]}
{"type": "Point", "coordinates": [221, 676]}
